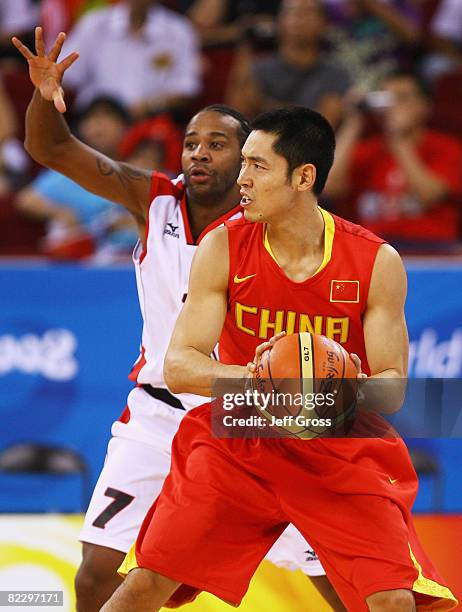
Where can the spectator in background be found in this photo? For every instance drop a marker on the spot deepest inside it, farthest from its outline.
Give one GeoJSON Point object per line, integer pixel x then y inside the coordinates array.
{"type": "Point", "coordinates": [298, 73]}
{"type": "Point", "coordinates": [372, 38]}
{"type": "Point", "coordinates": [79, 222]}
{"type": "Point", "coordinates": [406, 183]}
{"type": "Point", "coordinates": [138, 51]}
{"type": "Point", "coordinates": [446, 40]}
{"type": "Point", "coordinates": [154, 143]}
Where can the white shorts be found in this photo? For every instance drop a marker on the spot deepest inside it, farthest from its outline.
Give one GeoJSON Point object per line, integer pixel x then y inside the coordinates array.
{"type": "Point", "coordinates": [136, 465]}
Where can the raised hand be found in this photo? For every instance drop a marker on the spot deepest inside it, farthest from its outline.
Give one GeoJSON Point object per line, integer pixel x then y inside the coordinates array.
{"type": "Point", "coordinates": [44, 70]}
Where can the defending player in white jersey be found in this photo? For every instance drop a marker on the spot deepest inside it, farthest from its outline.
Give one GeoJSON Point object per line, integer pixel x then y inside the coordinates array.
{"type": "Point", "coordinates": [172, 217]}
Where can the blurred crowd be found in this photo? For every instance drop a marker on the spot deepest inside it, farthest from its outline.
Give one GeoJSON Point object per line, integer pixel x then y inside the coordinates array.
{"type": "Point", "coordinates": [386, 73]}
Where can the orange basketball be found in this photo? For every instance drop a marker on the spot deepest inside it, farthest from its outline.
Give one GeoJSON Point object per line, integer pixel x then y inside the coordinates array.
{"type": "Point", "coordinates": [312, 384]}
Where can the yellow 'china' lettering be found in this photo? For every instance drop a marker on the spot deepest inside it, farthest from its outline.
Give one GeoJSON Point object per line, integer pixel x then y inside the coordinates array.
{"type": "Point", "coordinates": [305, 324]}
{"type": "Point", "coordinates": [240, 309]}
{"type": "Point", "coordinates": [337, 328]}
{"type": "Point", "coordinates": [265, 323]}
{"type": "Point", "coordinates": [290, 323]}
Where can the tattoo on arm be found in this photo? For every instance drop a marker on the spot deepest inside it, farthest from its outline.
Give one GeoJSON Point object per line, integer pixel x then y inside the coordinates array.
{"type": "Point", "coordinates": [124, 172]}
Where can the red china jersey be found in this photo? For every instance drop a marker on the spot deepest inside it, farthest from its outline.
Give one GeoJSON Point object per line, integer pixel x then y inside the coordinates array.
{"type": "Point", "coordinates": [263, 301]}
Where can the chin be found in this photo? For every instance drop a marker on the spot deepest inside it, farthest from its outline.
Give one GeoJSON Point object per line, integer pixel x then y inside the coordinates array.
{"type": "Point", "coordinates": [254, 217]}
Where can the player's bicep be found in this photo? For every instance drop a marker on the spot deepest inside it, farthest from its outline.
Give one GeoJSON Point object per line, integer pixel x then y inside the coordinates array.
{"type": "Point", "coordinates": [385, 329]}
{"type": "Point", "coordinates": [201, 320]}
{"type": "Point", "coordinates": [105, 177]}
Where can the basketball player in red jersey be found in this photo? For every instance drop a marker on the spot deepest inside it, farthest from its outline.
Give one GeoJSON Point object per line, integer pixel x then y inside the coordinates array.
{"type": "Point", "coordinates": [172, 216]}
{"type": "Point", "coordinates": [225, 501]}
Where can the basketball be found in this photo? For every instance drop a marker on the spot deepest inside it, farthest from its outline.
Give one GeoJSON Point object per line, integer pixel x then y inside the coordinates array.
{"type": "Point", "coordinates": [310, 385]}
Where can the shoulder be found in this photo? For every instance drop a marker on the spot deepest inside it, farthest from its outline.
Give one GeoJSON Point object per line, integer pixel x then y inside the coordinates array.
{"type": "Point", "coordinates": [389, 279]}
{"type": "Point", "coordinates": [211, 258]}
{"type": "Point", "coordinates": [355, 232]}
{"type": "Point", "coordinates": [162, 185]}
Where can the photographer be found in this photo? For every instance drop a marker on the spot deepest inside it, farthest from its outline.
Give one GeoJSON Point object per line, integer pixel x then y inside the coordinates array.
{"type": "Point", "coordinates": [404, 183]}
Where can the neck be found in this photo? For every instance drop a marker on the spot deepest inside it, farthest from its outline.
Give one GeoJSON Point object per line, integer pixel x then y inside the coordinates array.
{"type": "Point", "coordinates": [299, 234]}
{"type": "Point", "coordinates": [301, 55]}
{"type": "Point", "coordinates": [202, 212]}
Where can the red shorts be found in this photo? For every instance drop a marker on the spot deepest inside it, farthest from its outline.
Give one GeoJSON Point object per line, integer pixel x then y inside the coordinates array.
{"type": "Point", "coordinates": [226, 501]}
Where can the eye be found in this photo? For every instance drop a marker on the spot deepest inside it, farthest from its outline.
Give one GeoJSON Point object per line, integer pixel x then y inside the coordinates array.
{"type": "Point", "coordinates": [189, 146]}
{"type": "Point", "coordinates": [216, 145]}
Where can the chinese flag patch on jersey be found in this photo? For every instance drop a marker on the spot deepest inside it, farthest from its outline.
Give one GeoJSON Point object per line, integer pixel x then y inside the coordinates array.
{"type": "Point", "coordinates": [344, 291]}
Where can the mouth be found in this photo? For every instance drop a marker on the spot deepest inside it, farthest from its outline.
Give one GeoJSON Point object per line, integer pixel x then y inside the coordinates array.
{"type": "Point", "coordinates": [245, 200]}
{"type": "Point", "coordinates": [199, 175]}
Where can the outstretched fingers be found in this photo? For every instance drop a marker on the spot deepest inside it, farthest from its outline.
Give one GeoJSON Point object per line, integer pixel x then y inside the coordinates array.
{"type": "Point", "coordinates": [39, 43]}
{"type": "Point", "coordinates": [23, 50]}
{"type": "Point", "coordinates": [56, 50]}
{"type": "Point", "coordinates": [68, 61]}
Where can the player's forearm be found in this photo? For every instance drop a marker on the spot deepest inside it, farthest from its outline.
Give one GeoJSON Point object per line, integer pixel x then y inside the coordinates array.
{"type": "Point", "coordinates": [46, 130]}
{"type": "Point", "coordinates": [383, 393]}
{"type": "Point", "coordinates": [190, 371]}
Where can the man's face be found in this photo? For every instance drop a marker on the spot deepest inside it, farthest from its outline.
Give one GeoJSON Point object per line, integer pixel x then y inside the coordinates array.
{"type": "Point", "coordinates": [265, 189]}
{"type": "Point", "coordinates": [301, 20]}
{"type": "Point", "coordinates": [211, 155]}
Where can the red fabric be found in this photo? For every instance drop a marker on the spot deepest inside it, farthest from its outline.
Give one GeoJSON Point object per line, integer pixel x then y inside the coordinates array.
{"type": "Point", "coordinates": [382, 201]}
{"type": "Point", "coordinates": [141, 361]}
{"type": "Point", "coordinates": [240, 494]}
{"type": "Point", "coordinates": [353, 255]}
{"type": "Point", "coordinates": [125, 416]}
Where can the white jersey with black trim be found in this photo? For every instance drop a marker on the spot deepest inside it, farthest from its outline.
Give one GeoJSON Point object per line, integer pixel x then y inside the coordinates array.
{"type": "Point", "coordinates": [162, 274]}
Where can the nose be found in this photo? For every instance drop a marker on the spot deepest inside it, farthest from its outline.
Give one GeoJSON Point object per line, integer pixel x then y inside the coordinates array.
{"type": "Point", "coordinates": [201, 153]}
{"type": "Point", "coordinates": [243, 179]}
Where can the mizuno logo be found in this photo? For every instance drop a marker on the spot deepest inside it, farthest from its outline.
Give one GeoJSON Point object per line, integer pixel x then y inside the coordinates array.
{"type": "Point", "coordinates": [238, 280]}
{"type": "Point", "coordinates": [171, 230]}
{"type": "Point", "coordinates": [311, 555]}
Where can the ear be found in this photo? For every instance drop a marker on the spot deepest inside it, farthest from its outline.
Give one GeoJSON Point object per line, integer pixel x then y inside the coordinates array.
{"type": "Point", "coordinates": [305, 177]}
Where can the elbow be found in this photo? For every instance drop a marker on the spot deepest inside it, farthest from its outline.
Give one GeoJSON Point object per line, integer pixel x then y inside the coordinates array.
{"type": "Point", "coordinates": [36, 152]}
{"type": "Point", "coordinates": [172, 373]}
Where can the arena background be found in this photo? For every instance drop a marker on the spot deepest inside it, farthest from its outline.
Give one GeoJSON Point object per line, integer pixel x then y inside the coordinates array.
{"type": "Point", "coordinates": [68, 337]}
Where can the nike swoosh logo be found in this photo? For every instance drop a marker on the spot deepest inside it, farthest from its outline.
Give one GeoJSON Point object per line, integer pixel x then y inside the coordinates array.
{"type": "Point", "coordinates": [392, 480]}
{"type": "Point", "coordinates": [244, 278]}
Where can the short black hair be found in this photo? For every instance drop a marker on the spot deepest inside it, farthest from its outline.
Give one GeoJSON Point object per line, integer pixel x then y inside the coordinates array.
{"type": "Point", "coordinates": [108, 104]}
{"type": "Point", "coordinates": [303, 137]}
{"type": "Point", "coordinates": [244, 123]}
